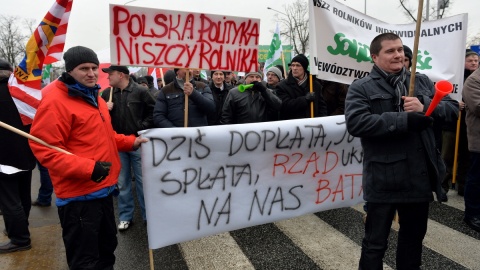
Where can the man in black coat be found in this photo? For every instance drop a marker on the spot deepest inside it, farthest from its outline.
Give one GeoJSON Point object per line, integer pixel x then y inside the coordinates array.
{"type": "Point", "coordinates": [219, 91]}
{"type": "Point", "coordinates": [295, 93]}
{"type": "Point", "coordinates": [401, 164]}
{"type": "Point", "coordinates": [16, 165]}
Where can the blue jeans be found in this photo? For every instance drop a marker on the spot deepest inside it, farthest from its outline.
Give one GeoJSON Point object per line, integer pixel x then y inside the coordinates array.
{"type": "Point", "coordinates": [130, 160]}
{"type": "Point", "coordinates": [46, 189]}
{"type": "Point", "coordinates": [472, 187]}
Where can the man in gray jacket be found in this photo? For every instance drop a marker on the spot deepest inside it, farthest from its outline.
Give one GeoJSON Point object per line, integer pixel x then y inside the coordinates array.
{"type": "Point", "coordinates": [401, 165]}
{"type": "Point", "coordinates": [471, 95]}
{"type": "Point", "coordinates": [252, 105]}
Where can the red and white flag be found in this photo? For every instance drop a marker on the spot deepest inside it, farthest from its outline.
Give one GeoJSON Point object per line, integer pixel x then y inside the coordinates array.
{"type": "Point", "coordinates": [45, 46]}
{"type": "Point", "coordinates": [155, 73]}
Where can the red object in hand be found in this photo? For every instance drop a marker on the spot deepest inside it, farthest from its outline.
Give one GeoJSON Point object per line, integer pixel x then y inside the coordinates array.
{"type": "Point", "coordinates": [442, 88]}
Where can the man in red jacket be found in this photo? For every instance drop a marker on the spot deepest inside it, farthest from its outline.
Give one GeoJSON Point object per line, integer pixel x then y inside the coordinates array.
{"type": "Point", "coordinates": [73, 118]}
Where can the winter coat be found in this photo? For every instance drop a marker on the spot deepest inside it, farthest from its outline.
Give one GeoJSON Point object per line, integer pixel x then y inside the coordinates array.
{"type": "Point", "coordinates": [249, 106]}
{"type": "Point", "coordinates": [219, 97]}
{"type": "Point", "coordinates": [132, 110]}
{"type": "Point", "coordinates": [170, 106]}
{"type": "Point", "coordinates": [399, 165]}
{"type": "Point", "coordinates": [294, 104]}
{"type": "Point", "coordinates": [67, 120]}
{"type": "Point", "coordinates": [14, 149]}
{"type": "Point", "coordinates": [471, 95]}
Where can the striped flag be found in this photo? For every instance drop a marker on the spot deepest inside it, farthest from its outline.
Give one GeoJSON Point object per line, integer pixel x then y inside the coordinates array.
{"type": "Point", "coordinates": [45, 46]}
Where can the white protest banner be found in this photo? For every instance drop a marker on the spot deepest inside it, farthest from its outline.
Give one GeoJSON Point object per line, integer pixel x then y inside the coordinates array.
{"type": "Point", "coordinates": [340, 45]}
{"type": "Point", "coordinates": [167, 38]}
{"type": "Point", "coordinates": [206, 180]}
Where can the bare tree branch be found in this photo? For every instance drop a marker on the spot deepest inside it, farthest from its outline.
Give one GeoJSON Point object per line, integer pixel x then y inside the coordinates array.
{"type": "Point", "coordinates": [407, 10]}
{"type": "Point", "coordinates": [294, 25]}
{"type": "Point", "coordinates": [474, 40]}
{"type": "Point", "coordinates": [12, 39]}
{"type": "Point", "coordinates": [436, 12]}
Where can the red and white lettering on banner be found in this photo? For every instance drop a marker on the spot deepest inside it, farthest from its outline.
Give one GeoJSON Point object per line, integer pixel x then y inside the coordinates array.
{"type": "Point", "coordinates": [167, 38]}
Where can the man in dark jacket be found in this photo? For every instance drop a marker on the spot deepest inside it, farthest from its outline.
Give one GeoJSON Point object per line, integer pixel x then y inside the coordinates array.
{"type": "Point", "coordinates": [295, 93]}
{"type": "Point", "coordinates": [471, 95]}
{"type": "Point", "coordinates": [449, 135]}
{"type": "Point", "coordinates": [16, 165]}
{"type": "Point", "coordinates": [252, 105]}
{"type": "Point", "coordinates": [170, 105]}
{"type": "Point", "coordinates": [219, 91]}
{"type": "Point", "coordinates": [131, 110]}
{"type": "Point", "coordinates": [401, 165]}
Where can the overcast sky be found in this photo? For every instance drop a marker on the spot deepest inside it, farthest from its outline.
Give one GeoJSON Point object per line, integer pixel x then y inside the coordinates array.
{"type": "Point", "coordinates": [89, 21]}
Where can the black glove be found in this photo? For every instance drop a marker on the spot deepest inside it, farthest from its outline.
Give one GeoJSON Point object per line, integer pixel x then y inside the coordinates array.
{"type": "Point", "coordinates": [259, 87]}
{"type": "Point", "coordinates": [310, 96]}
{"type": "Point", "coordinates": [417, 121]}
{"type": "Point", "coordinates": [100, 171]}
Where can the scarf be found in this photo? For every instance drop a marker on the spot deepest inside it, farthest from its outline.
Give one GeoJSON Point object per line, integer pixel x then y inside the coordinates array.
{"type": "Point", "coordinates": [89, 93]}
{"type": "Point", "coordinates": [397, 81]}
{"type": "Point", "coordinates": [302, 81]}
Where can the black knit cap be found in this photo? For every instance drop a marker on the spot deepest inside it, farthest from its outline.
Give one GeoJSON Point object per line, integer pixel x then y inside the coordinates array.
{"type": "Point", "coordinates": [79, 55]}
{"type": "Point", "coordinates": [302, 59]}
{"type": "Point", "coordinates": [408, 53]}
{"type": "Point", "coordinates": [4, 65]}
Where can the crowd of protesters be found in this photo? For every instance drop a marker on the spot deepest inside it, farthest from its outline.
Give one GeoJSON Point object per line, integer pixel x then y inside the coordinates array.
{"type": "Point", "coordinates": [103, 163]}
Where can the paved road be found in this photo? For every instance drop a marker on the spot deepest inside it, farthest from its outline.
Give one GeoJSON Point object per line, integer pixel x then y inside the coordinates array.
{"type": "Point", "coordinates": [325, 240]}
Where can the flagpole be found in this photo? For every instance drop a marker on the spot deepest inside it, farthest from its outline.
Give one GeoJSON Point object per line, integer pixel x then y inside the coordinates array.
{"type": "Point", "coordinates": [411, 90]}
{"type": "Point", "coordinates": [284, 67]}
{"type": "Point", "coordinates": [33, 138]}
{"type": "Point", "coordinates": [455, 156]}
{"type": "Point", "coordinates": [163, 79]}
{"type": "Point", "coordinates": [312, 114]}
{"type": "Point", "coordinates": [111, 93]}
{"type": "Point", "coordinates": [150, 256]}
{"type": "Point", "coordinates": [185, 115]}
